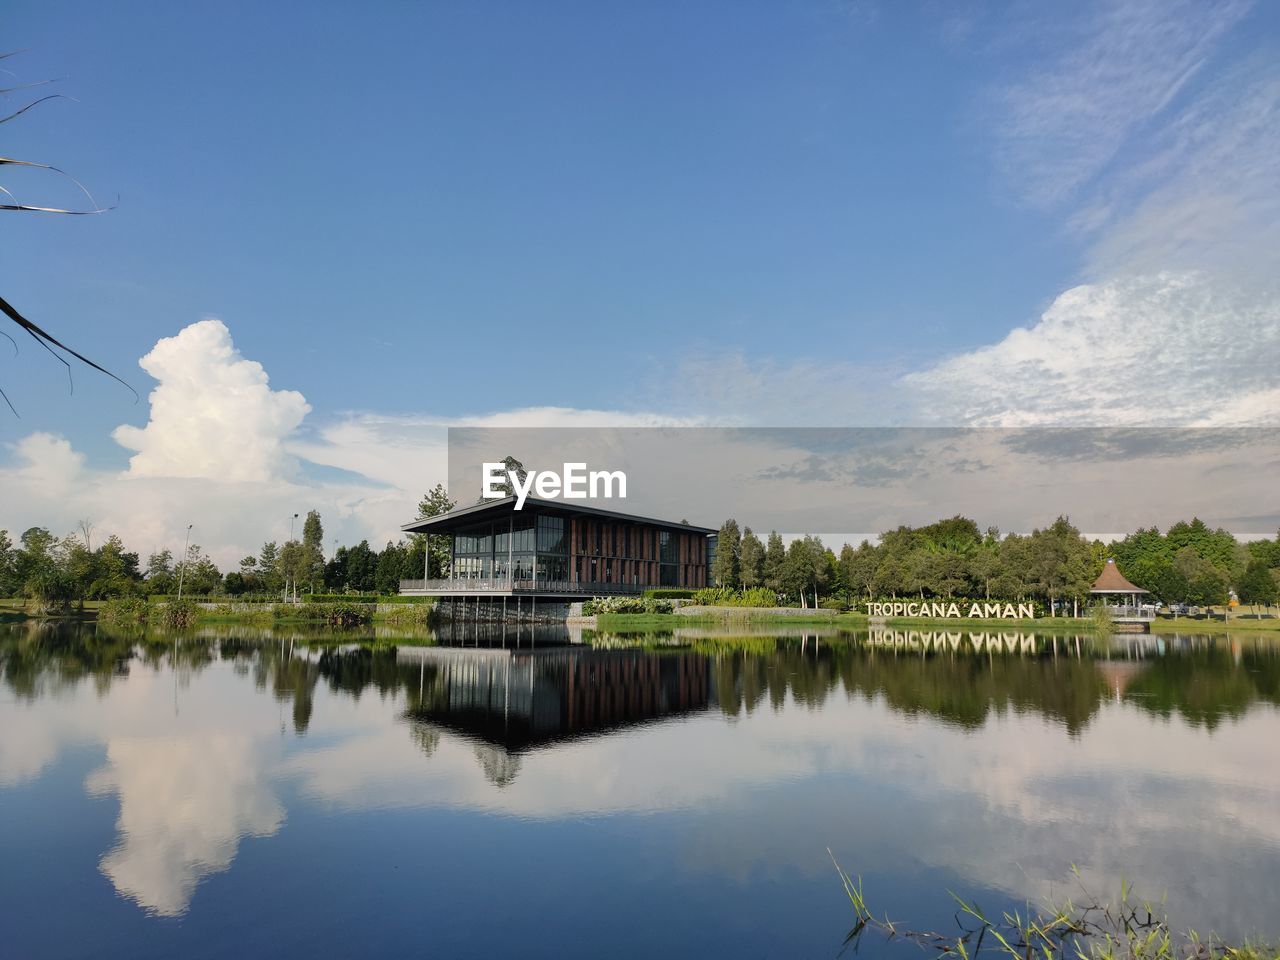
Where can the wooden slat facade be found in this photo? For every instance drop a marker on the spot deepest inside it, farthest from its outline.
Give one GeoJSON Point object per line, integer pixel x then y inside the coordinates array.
{"type": "Point", "coordinates": [610, 551]}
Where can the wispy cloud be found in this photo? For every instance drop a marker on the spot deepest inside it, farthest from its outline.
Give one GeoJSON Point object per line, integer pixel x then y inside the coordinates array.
{"type": "Point", "coordinates": [1110, 70]}
{"type": "Point", "coordinates": [1175, 349]}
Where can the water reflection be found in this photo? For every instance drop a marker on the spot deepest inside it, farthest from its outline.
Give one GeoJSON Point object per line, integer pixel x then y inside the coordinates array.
{"type": "Point", "coordinates": [185, 804]}
{"type": "Point", "coordinates": [954, 752]}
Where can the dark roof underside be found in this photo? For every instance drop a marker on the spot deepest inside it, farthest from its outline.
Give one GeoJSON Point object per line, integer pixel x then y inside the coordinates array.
{"type": "Point", "coordinates": [493, 508]}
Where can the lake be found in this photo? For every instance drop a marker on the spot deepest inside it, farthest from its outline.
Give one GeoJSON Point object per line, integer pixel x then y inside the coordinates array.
{"type": "Point", "coordinates": [495, 792]}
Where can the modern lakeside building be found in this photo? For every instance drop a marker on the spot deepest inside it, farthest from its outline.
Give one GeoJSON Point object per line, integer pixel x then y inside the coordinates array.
{"type": "Point", "coordinates": [551, 550]}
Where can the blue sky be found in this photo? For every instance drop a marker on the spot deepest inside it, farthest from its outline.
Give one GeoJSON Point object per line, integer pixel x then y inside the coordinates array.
{"type": "Point", "coordinates": [727, 212]}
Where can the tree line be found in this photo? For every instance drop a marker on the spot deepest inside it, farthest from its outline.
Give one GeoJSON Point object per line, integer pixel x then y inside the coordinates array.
{"type": "Point", "coordinates": [57, 571]}
{"type": "Point", "coordinates": [952, 558]}
{"type": "Point", "coordinates": [1188, 564]}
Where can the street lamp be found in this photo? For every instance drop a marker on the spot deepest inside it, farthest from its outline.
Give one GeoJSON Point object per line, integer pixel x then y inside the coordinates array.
{"type": "Point", "coordinates": [182, 570]}
{"type": "Point", "coordinates": [286, 573]}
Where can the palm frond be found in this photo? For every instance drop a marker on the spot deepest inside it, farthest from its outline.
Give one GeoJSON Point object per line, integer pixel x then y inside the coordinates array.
{"type": "Point", "coordinates": [49, 341]}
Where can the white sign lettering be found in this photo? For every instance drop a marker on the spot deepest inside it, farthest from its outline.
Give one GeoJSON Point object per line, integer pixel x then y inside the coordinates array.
{"type": "Point", "coordinates": [951, 609]}
{"type": "Point", "coordinates": [573, 483]}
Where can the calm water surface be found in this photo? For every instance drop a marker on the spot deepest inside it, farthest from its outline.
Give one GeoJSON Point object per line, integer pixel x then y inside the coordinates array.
{"type": "Point", "coordinates": [289, 795]}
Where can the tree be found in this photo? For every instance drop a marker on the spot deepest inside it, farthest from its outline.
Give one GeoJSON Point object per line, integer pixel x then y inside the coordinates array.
{"type": "Point", "coordinates": [751, 560]}
{"type": "Point", "coordinates": [390, 568]}
{"type": "Point", "coordinates": [10, 586]}
{"type": "Point", "coordinates": [807, 569]}
{"type": "Point", "coordinates": [1216, 547]}
{"type": "Point", "coordinates": [1205, 584]}
{"type": "Point", "coordinates": [269, 572]}
{"type": "Point", "coordinates": [313, 549]}
{"type": "Point", "coordinates": [1257, 585]}
{"type": "Point", "coordinates": [435, 503]}
{"type": "Point", "coordinates": [1268, 551]}
{"type": "Point", "coordinates": [359, 568]}
{"type": "Point", "coordinates": [115, 570]}
{"type": "Point", "coordinates": [727, 565]}
{"type": "Point", "coordinates": [891, 577]}
{"type": "Point", "coordinates": [200, 575]}
{"type": "Point", "coordinates": [245, 579]}
{"type": "Point", "coordinates": [858, 568]}
{"type": "Point", "coordinates": [984, 563]}
{"type": "Point", "coordinates": [159, 577]}
{"type": "Point", "coordinates": [78, 564]}
{"type": "Point", "coordinates": [775, 559]}
{"type": "Point", "coordinates": [1061, 562]}
{"type": "Point", "coordinates": [294, 565]}
{"type": "Point", "coordinates": [509, 465]}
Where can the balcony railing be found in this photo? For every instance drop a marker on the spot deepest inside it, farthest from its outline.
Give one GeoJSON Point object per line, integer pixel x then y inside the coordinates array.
{"type": "Point", "coordinates": [508, 585]}
{"type": "Point", "coordinates": [1128, 612]}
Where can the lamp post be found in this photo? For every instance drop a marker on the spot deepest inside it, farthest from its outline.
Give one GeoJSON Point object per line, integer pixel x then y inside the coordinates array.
{"type": "Point", "coordinates": [182, 570]}
{"type": "Point", "coordinates": [286, 573]}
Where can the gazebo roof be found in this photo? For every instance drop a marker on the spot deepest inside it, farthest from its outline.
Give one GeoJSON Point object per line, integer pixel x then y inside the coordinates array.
{"type": "Point", "coordinates": [1111, 580]}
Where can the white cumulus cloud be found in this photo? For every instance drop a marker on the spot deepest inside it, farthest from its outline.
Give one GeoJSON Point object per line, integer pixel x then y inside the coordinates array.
{"type": "Point", "coordinates": [213, 413]}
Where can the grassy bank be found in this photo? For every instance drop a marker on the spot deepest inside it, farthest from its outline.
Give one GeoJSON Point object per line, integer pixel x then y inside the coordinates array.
{"type": "Point", "coordinates": [172, 613]}
{"type": "Point", "coordinates": [619, 622]}
{"type": "Point", "coordinates": [1234, 625]}
{"type": "Point", "coordinates": [851, 621]}
{"type": "Point", "coordinates": [1044, 624]}
{"type": "Point", "coordinates": [615, 622]}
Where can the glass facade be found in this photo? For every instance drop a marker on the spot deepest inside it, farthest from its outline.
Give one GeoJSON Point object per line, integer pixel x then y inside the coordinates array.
{"type": "Point", "coordinates": [536, 550]}
{"type": "Point", "coordinates": [668, 559]}
{"type": "Point", "coordinates": [521, 548]}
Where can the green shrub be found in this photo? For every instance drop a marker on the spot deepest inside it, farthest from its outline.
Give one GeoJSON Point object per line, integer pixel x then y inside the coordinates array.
{"type": "Point", "coordinates": [723, 597]}
{"type": "Point", "coordinates": [344, 613]}
{"type": "Point", "coordinates": [669, 593]}
{"type": "Point", "coordinates": [340, 598]}
{"type": "Point", "coordinates": [625, 605]}
{"type": "Point", "coordinates": [1102, 620]}
{"type": "Point", "coordinates": [408, 614]}
{"type": "Point", "coordinates": [217, 597]}
{"type": "Point", "coordinates": [124, 610]}
{"type": "Point", "coordinates": [178, 613]}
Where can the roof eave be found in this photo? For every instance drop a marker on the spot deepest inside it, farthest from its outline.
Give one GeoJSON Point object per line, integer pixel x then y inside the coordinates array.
{"type": "Point", "coordinates": [418, 525]}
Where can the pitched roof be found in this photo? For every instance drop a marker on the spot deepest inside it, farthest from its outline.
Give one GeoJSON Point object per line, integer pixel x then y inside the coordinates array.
{"type": "Point", "coordinates": [1111, 580]}
{"type": "Point", "coordinates": [504, 505]}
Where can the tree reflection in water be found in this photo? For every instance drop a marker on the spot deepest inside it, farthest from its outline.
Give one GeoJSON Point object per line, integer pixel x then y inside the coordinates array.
{"type": "Point", "coordinates": [191, 790]}
{"type": "Point", "coordinates": [517, 698]}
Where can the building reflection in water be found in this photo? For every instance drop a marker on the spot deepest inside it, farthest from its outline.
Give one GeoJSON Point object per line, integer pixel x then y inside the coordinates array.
{"type": "Point", "coordinates": [514, 696]}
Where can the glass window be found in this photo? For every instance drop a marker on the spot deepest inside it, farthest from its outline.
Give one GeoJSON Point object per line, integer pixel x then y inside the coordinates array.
{"type": "Point", "coordinates": [668, 547]}
{"type": "Point", "coordinates": [552, 567]}
{"type": "Point", "coordinates": [551, 535]}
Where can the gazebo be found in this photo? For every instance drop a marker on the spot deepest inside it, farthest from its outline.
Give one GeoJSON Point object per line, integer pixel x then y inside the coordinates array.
{"type": "Point", "coordinates": [1112, 585]}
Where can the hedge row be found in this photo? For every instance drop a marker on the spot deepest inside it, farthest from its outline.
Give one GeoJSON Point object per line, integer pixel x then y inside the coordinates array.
{"type": "Point", "coordinates": [722, 597]}
{"type": "Point", "coordinates": [625, 605]}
